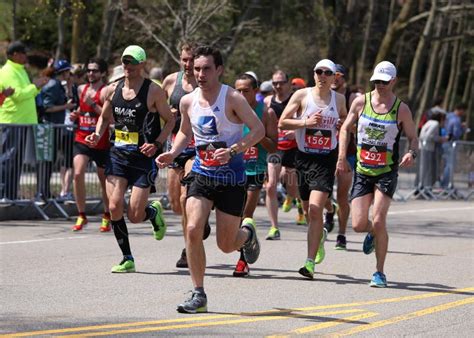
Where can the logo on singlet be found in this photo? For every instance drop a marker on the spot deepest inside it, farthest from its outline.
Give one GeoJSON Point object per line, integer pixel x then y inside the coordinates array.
{"type": "Point", "coordinates": [216, 109]}
{"type": "Point", "coordinates": [207, 125]}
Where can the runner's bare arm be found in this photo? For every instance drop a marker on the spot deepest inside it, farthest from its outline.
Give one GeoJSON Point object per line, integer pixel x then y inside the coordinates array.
{"type": "Point", "coordinates": [270, 122]}
{"type": "Point", "coordinates": [344, 133]}
{"type": "Point", "coordinates": [406, 120]}
{"type": "Point", "coordinates": [243, 112]}
{"type": "Point", "coordinates": [105, 117]}
{"type": "Point", "coordinates": [161, 105]}
{"type": "Point", "coordinates": [287, 120]}
{"type": "Point", "coordinates": [183, 137]}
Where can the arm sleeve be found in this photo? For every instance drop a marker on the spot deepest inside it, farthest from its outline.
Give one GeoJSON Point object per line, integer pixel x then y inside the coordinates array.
{"type": "Point", "coordinates": [25, 93]}
{"type": "Point", "coordinates": [49, 96]}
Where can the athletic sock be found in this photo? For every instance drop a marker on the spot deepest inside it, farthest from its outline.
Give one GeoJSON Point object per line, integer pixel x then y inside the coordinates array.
{"type": "Point", "coordinates": [121, 234]}
{"type": "Point", "coordinates": [150, 212]}
{"type": "Point", "coordinates": [83, 215]}
{"type": "Point", "coordinates": [106, 215]}
{"type": "Point", "coordinates": [200, 290]}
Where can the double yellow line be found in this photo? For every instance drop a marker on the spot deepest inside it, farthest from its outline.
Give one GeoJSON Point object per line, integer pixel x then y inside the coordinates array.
{"type": "Point", "coordinates": [232, 319]}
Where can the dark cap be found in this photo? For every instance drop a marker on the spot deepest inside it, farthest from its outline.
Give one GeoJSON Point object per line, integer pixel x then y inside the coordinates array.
{"type": "Point", "coordinates": [16, 47]}
{"type": "Point", "coordinates": [341, 69]}
{"type": "Point", "coordinates": [61, 66]}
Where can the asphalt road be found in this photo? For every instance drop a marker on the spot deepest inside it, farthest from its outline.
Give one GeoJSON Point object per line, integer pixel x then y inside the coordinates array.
{"type": "Point", "coordinates": [55, 282]}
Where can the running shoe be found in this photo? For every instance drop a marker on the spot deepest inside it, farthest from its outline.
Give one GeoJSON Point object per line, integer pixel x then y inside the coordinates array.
{"type": "Point", "coordinates": [307, 269]}
{"type": "Point", "coordinates": [241, 269]}
{"type": "Point", "coordinates": [273, 234]}
{"type": "Point", "coordinates": [105, 225]}
{"type": "Point", "coordinates": [126, 265]}
{"type": "Point", "coordinates": [378, 280]}
{"type": "Point", "coordinates": [287, 204]}
{"type": "Point", "coordinates": [321, 252]}
{"type": "Point", "coordinates": [207, 230]}
{"type": "Point", "coordinates": [329, 218]}
{"type": "Point", "coordinates": [251, 248]}
{"type": "Point", "coordinates": [197, 303]}
{"type": "Point", "coordinates": [340, 242]}
{"type": "Point", "coordinates": [158, 222]}
{"type": "Point", "coordinates": [80, 223]}
{"type": "Point", "coordinates": [182, 261]}
{"type": "Point", "coordinates": [369, 244]}
{"type": "Point", "coordinates": [300, 219]}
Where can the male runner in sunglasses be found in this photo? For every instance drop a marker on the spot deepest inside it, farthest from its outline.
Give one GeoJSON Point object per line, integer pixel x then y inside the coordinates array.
{"type": "Point", "coordinates": [314, 114]}
{"type": "Point", "coordinates": [380, 117]}
{"type": "Point", "coordinates": [136, 105]}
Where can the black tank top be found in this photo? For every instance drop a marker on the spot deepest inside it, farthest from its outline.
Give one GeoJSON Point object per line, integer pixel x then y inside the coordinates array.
{"type": "Point", "coordinates": [175, 99]}
{"type": "Point", "coordinates": [279, 107]}
{"type": "Point", "coordinates": [132, 116]}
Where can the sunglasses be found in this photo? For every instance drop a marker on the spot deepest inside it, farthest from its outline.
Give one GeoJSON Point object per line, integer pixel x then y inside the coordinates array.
{"type": "Point", "coordinates": [381, 82]}
{"type": "Point", "coordinates": [131, 61]}
{"type": "Point", "coordinates": [276, 83]}
{"type": "Point", "coordinates": [325, 72]}
{"type": "Point", "coordinates": [92, 70]}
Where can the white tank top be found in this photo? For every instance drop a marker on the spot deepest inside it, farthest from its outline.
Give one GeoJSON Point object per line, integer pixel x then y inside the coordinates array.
{"type": "Point", "coordinates": [212, 130]}
{"type": "Point", "coordinates": [323, 138]}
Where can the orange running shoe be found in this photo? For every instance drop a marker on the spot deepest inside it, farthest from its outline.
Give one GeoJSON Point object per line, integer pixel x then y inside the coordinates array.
{"type": "Point", "coordinates": [105, 225]}
{"type": "Point", "coordinates": [80, 223]}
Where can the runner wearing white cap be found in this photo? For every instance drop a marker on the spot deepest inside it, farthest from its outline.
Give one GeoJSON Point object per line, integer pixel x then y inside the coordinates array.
{"type": "Point", "coordinates": [380, 117]}
{"type": "Point", "coordinates": [314, 114]}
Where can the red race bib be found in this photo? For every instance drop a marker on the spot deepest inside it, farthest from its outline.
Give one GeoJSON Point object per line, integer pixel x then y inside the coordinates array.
{"type": "Point", "coordinates": [373, 156]}
{"type": "Point", "coordinates": [317, 139]}
{"type": "Point", "coordinates": [251, 154]}
{"type": "Point", "coordinates": [206, 154]}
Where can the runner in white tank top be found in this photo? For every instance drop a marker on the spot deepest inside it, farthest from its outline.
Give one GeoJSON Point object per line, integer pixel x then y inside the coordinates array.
{"type": "Point", "coordinates": [216, 114]}
{"type": "Point", "coordinates": [314, 113]}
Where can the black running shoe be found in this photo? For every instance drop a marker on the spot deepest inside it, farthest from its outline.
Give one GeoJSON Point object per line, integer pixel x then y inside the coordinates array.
{"type": "Point", "coordinates": [340, 242]}
{"type": "Point", "coordinates": [182, 261]}
{"type": "Point", "coordinates": [329, 218]}
{"type": "Point", "coordinates": [207, 230]}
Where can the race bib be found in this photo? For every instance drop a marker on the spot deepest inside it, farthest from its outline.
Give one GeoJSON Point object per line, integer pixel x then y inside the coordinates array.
{"type": "Point", "coordinates": [206, 154]}
{"type": "Point", "coordinates": [373, 156]}
{"type": "Point", "coordinates": [126, 138]}
{"type": "Point", "coordinates": [317, 139]}
{"type": "Point", "coordinates": [251, 154]}
{"type": "Point", "coordinates": [87, 122]}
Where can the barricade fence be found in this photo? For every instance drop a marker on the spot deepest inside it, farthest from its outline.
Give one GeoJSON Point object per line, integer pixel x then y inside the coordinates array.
{"type": "Point", "coordinates": [36, 169]}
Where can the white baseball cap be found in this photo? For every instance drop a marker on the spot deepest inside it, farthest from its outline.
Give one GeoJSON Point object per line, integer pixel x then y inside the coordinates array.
{"type": "Point", "coordinates": [326, 63]}
{"type": "Point", "coordinates": [252, 74]}
{"type": "Point", "coordinates": [384, 71]}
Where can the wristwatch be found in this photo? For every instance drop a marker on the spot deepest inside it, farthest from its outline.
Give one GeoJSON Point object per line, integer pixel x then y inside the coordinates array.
{"type": "Point", "coordinates": [158, 145]}
{"type": "Point", "coordinates": [413, 153]}
{"type": "Point", "coordinates": [232, 152]}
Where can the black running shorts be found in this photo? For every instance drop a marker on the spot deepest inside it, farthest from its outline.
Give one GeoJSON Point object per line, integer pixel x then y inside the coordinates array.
{"type": "Point", "coordinates": [364, 184]}
{"type": "Point", "coordinates": [228, 198]}
{"type": "Point", "coordinates": [315, 172]}
{"type": "Point", "coordinates": [99, 156]}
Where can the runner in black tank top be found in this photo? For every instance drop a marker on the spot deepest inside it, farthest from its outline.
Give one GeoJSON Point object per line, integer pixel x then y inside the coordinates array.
{"type": "Point", "coordinates": [176, 86]}
{"type": "Point", "coordinates": [136, 104]}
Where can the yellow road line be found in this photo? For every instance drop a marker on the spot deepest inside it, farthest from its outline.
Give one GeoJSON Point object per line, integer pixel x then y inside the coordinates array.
{"type": "Point", "coordinates": [403, 317]}
{"type": "Point", "coordinates": [387, 300]}
{"type": "Point", "coordinates": [217, 323]}
{"type": "Point", "coordinates": [210, 317]}
{"type": "Point", "coordinates": [333, 323]}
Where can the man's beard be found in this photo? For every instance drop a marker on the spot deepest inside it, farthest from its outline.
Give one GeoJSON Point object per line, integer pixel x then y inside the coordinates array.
{"type": "Point", "coordinates": [93, 81]}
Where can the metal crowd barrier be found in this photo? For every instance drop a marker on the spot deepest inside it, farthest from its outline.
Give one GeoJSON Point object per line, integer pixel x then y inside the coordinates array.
{"type": "Point", "coordinates": [443, 172]}
{"type": "Point", "coordinates": [36, 164]}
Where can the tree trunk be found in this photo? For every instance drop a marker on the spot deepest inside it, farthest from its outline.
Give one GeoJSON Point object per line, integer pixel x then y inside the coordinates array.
{"type": "Point", "coordinates": [467, 98]}
{"type": "Point", "coordinates": [79, 20]}
{"type": "Point", "coordinates": [394, 31]}
{"type": "Point", "coordinates": [427, 98]}
{"type": "Point", "coordinates": [14, 29]}
{"type": "Point", "coordinates": [109, 20]}
{"type": "Point", "coordinates": [365, 44]}
{"type": "Point", "coordinates": [61, 15]}
{"type": "Point", "coordinates": [454, 69]}
{"type": "Point", "coordinates": [419, 58]}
